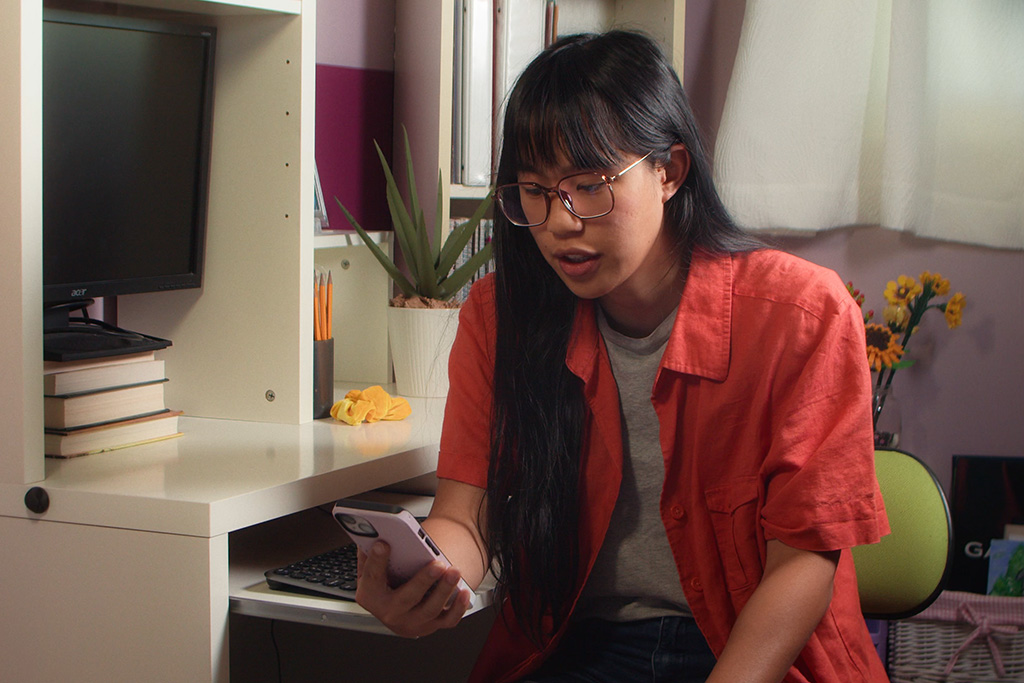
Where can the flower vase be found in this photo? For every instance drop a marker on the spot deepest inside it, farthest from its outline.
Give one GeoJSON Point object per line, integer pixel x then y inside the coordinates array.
{"type": "Point", "coordinates": [885, 412]}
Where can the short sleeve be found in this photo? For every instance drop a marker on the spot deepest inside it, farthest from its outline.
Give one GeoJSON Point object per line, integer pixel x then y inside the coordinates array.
{"type": "Point", "coordinates": [821, 492]}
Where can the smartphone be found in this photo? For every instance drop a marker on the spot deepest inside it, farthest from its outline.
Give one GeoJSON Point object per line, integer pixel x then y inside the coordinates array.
{"type": "Point", "coordinates": [411, 548]}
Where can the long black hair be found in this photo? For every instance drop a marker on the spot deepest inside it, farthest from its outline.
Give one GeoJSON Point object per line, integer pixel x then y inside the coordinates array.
{"type": "Point", "coordinates": [595, 100]}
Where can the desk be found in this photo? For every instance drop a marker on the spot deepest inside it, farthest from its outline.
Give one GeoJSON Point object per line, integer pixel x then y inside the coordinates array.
{"type": "Point", "coordinates": [126, 577]}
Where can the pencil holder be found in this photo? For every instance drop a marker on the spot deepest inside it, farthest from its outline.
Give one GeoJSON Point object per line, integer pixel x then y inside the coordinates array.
{"type": "Point", "coordinates": [323, 377]}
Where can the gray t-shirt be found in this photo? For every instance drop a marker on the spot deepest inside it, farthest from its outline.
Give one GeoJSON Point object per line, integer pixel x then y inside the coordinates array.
{"type": "Point", "coordinates": [635, 575]}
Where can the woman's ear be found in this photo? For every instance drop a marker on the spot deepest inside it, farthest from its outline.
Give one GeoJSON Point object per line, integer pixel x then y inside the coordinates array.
{"type": "Point", "coordinates": [676, 169]}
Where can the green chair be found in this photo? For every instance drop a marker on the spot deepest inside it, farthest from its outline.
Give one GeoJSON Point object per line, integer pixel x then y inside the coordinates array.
{"type": "Point", "coordinates": [905, 572]}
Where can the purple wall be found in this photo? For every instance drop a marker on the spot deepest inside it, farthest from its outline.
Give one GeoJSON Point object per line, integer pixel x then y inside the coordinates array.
{"type": "Point", "coordinates": [353, 108]}
{"type": "Point", "coordinates": [355, 85]}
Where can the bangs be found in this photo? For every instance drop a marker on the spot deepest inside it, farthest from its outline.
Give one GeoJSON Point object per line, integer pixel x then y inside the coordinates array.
{"type": "Point", "coordinates": [561, 113]}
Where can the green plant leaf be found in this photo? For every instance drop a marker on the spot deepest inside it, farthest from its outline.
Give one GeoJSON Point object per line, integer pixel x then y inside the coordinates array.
{"type": "Point", "coordinates": [392, 270]}
{"type": "Point", "coordinates": [428, 283]}
{"type": "Point", "coordinates": [419, 241]}
{"type": "Point", "coordinates": [401, 221]}
{"type": "Point", "coordinates": [436, 251]}
{"type": "Point", "coordinates": [411, 229]}
{"type": "Point", "coordinates": [414, 198]}
{"type": "Point", "coordinates": [405, 233]}
{"type": "Point", "coordinates": [457, 280]}
{"type": "Point", "coordinates": [424, 260]}
{"type": "Point", "coordinates": [459, 237]}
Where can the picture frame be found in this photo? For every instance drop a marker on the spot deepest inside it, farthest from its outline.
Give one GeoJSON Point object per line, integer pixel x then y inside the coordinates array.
{"type": "Point", "coordinates": [319, 207]}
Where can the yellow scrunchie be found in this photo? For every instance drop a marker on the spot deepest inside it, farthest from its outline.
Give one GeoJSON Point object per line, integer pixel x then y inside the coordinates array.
{"type": "Point", "coordinates": [371, 404]}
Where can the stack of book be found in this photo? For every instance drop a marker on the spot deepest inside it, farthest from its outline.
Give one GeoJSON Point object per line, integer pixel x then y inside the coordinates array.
{"type": "Point", "coordinates": [102, 404]}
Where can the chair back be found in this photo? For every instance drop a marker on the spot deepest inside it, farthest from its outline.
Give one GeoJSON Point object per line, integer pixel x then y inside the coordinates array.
{"type": "Point", "coordinates": [905, 572]}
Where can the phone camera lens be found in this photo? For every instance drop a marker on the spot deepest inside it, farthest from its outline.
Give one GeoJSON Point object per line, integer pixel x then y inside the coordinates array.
{"type": "Point", "coordinates": [356, 525]}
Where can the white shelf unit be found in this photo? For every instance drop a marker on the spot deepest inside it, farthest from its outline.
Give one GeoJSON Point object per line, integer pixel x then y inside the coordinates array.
{"type": "Point", "coordinates": [423, 70]}
{"type": "Point", "coordinates": [249, 329]}
{"type": "Point", "coordinates": [247, 334]}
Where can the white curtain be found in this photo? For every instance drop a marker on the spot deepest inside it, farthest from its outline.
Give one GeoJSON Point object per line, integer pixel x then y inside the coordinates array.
{"type": "Point", "coordinates": [902, 113]}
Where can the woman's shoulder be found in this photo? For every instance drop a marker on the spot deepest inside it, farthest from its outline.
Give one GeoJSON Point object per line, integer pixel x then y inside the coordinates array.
{"type": "Point", "coordinates": [784, 278]}
{"type": "Point", "coordinates": [481, 294]}
{"type": "Point", "coordinates": [479, 307]}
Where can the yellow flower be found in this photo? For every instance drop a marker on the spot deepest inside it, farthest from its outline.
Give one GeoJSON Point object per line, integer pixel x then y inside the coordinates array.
{"type": "Point", "coordinates": [940, 285]}
{"type": "Point", "coordinates": [896, 316]}
{"type": "Point", "coordinates": [954, 310]}
{"type": "Point", "coordinates": [903, 291]}
{"type": "Point", "coordinates": [883, 347]}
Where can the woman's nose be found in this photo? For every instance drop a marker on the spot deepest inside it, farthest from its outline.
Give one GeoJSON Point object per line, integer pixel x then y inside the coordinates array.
{"type": "Point", "coordinates": [560, 219]}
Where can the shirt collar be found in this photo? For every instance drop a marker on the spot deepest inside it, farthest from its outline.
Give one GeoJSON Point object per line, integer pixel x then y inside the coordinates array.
{"type": "Point", "coordinates": [700, 339]}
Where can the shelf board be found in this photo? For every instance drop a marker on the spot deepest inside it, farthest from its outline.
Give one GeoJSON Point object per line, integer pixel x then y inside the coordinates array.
{"type": "Point", "coordinates": [223, 7]}
{"type": "Point", "coordinates": [332, 239]}
{"type": "Point", "coordinates": [469, 191]}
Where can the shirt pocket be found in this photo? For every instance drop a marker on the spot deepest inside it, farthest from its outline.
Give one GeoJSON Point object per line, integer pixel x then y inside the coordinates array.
{"type": "Point", "coordinates": [733, 512]}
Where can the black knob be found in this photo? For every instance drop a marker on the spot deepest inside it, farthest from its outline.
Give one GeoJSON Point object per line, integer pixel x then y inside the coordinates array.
{"type": "Point", "coordinates": [37, 500]}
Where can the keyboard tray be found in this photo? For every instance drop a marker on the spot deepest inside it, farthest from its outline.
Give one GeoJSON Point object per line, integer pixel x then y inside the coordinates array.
{"type": "Point", "coordinates": [331, 574]}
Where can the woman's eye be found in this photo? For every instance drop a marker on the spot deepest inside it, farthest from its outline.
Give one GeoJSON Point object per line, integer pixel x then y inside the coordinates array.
{"type": "Point", "coordinates": [531, 191]}
{"type": "Point", "coordinates": [590, 187]}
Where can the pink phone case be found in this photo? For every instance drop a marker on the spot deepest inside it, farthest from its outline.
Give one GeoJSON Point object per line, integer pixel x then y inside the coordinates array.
{"type": "Point", "coordinates": [411, 548]}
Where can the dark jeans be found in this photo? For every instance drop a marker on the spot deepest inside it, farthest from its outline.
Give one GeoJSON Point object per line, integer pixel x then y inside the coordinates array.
{"type": "Point", "coordinates": [651, 650]}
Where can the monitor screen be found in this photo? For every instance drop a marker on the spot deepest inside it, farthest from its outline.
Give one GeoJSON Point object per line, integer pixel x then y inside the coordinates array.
{"type": "Point", "coordinates": [127, 119]}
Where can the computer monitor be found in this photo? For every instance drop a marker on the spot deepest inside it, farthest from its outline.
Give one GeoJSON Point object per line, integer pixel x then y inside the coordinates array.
{"type": "Point", "coordinates": [127, 124]}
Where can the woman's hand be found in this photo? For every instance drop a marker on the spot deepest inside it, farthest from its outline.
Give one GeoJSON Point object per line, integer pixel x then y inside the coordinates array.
{"type": "Point", "coordinates": [417, 607]}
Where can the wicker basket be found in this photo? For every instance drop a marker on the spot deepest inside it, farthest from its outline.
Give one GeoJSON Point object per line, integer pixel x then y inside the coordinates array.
{"type": "Point", "coordinates": [961, 638]}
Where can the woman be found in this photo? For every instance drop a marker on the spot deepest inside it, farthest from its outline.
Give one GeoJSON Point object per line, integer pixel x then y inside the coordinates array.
{"type": "Point", "coordinates": [657, 431]}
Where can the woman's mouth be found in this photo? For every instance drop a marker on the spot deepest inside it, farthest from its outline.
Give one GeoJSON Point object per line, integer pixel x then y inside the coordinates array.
{"type": "Point", "coordinates": [577, 264]}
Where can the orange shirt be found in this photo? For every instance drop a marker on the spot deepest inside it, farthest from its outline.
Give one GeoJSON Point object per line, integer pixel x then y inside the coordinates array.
{"type": "Point", "coordinates": [763, 400]}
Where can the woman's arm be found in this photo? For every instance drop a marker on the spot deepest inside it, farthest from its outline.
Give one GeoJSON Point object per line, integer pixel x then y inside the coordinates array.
{"type": "Point", "coordinates": [418, 607]}
{"type": "Point", "coordinates": [784, 610]}
{"type": "Point", "coordinates": [455, 524]}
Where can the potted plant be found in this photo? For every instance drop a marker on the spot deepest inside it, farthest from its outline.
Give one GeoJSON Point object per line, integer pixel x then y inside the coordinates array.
{"type": "Point", "coordinates": [423, 318]}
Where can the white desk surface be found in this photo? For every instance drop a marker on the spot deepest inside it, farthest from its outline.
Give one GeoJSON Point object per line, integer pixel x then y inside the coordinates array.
{"type": "Point", "coordinates": [224, 475]}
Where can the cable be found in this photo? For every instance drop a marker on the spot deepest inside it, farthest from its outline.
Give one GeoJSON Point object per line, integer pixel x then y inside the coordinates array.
{"type": "Point", "coordinates": [277, 651]}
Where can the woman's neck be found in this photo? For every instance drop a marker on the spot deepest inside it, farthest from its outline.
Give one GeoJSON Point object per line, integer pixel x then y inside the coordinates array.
{"type": "Point", "coordinates": [637, 311]}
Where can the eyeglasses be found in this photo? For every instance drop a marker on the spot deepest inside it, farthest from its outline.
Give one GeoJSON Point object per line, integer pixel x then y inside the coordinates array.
{"type": "Point", "coordinates": [584, 195]}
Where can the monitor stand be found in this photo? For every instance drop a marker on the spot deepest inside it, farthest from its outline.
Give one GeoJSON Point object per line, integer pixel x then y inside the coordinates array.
{"type": "Point", "coordinates": [66, 338]}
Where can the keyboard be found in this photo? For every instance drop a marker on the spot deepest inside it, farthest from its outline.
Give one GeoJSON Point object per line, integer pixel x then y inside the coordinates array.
{"type": "Point", "coordinates": [331, 574]}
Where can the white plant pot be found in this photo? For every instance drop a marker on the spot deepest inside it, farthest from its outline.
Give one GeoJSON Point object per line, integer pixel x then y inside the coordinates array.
{"type": "Point", "coordinates": [421, 341]}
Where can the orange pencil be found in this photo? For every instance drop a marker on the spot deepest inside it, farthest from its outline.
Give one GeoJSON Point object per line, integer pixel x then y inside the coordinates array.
{"type": "Point", "coordinates": [323, 300]}
{"type": "Point", "coordinates": [316, 312]}
{"type": "Point", "coordinates": [329, 309]}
